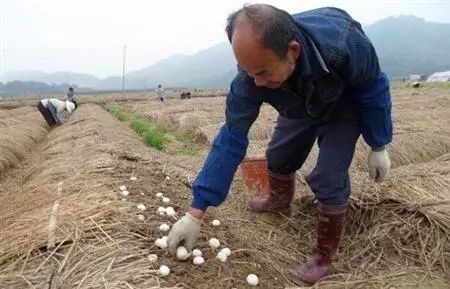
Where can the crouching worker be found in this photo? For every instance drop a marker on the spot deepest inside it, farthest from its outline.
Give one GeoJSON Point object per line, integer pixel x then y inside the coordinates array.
{"type": "Point", "coordinates": [52, 110]}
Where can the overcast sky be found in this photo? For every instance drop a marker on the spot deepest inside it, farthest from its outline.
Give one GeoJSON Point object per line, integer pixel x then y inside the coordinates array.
{"type": "Point", "coordinates": [88, 35]}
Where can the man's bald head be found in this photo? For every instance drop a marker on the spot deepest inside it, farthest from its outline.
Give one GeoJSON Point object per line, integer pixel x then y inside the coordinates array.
{"type": "Point", "coordinates": [273, 28]}
{"type": "Point", "coordinates": [264, 43]}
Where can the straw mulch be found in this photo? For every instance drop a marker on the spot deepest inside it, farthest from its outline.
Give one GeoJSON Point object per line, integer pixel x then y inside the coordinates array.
{"type": "Point", "coordinates": [397, 233]}
{"type": "Point", "coordinates": [95, 236]}
{"type": "Point", "coordinates": [408, 149]}
{"type": "Point", "coordinates": [20, 130]}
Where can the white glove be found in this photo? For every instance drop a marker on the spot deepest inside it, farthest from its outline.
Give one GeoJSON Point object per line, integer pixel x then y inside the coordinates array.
{"type": "Point", "coordinates": [379, 165]}
{"type": "Point", "coordinates": [184, 232]}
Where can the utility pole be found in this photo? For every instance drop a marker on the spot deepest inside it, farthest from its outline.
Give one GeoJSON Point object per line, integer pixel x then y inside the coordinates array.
{"type": "Point", "coordinates": [123, 70]}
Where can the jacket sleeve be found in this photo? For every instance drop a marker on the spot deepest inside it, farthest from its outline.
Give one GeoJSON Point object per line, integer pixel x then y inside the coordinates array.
{"type": "Point", "coordinates": [371, 88]}
{"type": "Point", "coordinates": [211, 186]}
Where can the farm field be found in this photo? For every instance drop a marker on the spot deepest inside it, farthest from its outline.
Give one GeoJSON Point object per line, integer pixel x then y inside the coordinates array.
{"type": "Point", "coordinates": [397, 233]}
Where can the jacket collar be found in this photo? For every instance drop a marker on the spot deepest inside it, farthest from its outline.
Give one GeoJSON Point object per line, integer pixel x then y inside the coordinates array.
{"type": "Point", "coordinates": [310, 64]}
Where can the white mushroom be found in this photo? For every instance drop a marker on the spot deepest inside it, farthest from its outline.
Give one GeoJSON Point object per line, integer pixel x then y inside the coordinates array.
{"type": "Point", "coordinates": [164, 227]}
{"type": "Point", "coordinates": [252, 280]}
{"type": "Point", "coordinates": [123, 188]}
{"type": "Point", "coordinates": [222, 257]}
{"type": "Point", "coordinates": [166, 200]}
{"type": "Point", "coordinates": [153, 258]}
{"type": "Point", "coordinates": [161, 211]}
{"type": "Point", "coordinates": [198, 260]}
{"type": "Point", "coordinates": [226, 252]}
{"type": "Point", "coordinates": [197, 253]}
{"type": "Point", "coordinates": [164, 270]}
{"type": "Point", "coordinates": [141, 217]}
{"type": "Point", "coordinates": [167, 178]}
{"type": "Point", "coordinates": [133, 178]}
{"type": "Point", "coordinates": [170, 212]}
{"type": "Point", "coordinates": [214, 243]}
{"type": "Point", "coordinates": [159, 195]}
{"type": "Point", "coordinates": [182, 253]}
{"type": "Point", "coordinates": [141, 207]}
{"type": "Point", "coordinates": [216, 223]}
{"type": "Point", "coordinates": [125, 193]}
{"type": "Point", "coordinates": [161, 242]}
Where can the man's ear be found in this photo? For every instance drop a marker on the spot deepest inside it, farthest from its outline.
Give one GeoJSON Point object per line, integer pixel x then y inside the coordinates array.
{"type": "Point", "coordinates": [294, 49]}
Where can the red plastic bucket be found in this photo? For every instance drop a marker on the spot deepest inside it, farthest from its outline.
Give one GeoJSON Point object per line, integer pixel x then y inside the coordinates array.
{"type": "Point", "coordinates": [255, 175]}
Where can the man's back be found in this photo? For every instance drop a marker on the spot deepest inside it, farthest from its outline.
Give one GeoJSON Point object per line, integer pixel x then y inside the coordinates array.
{"type": "Point", "coordinates": [339, 38]}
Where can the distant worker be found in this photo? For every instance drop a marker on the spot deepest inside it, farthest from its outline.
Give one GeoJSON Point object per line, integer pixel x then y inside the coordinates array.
{"type": "Point", "coordinates": [160, 92]}
{"type": "Point", "coordinates": [71, 96]}
{"type": "Point", "coordinates": [321, 73]}
{"type": "Point", "coordinates": [52, 110]}
{"type": "Point", "coordinates": [185, 94]}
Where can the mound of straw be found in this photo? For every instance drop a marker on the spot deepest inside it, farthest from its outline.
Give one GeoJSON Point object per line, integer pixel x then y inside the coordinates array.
{"type": "Point", "coordinates": [397, 233]}
{"type": "Point", "coordinates": [20, 130]}
{"type": "Point", "coordinates": [93, 228]}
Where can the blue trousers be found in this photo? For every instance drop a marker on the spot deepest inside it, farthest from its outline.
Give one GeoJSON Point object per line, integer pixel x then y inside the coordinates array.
{"type": "Point", "coordinates": [291, 144]}
{"type": "Point", "coordinates": [49, 113]}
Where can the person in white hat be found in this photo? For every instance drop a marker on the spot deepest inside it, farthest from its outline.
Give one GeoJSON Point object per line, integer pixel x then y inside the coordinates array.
{"type": "Point", "coordinates": [52, 110]}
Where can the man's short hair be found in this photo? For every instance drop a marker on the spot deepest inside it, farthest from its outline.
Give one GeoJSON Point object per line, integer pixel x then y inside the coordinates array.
{"type": "Point", "coordinates": [276, 27]}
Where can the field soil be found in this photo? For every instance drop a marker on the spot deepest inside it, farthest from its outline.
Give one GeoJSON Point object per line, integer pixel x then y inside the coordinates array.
{"type": "Point", "coordinates": [65, 224]}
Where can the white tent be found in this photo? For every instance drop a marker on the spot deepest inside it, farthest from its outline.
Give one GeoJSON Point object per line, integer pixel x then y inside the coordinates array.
{"type": "Point", "coordinates": [439, 76]}
{"type": "Point", "coordinates": [415, 77]}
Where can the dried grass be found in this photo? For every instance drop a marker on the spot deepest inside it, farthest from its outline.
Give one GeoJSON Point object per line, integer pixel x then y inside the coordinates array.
{"type": "Point", "coordinates": [20, 130]}
{"type": "Point", "coordinates": [90, 224]}
{"type": "Point", "coordinates": [206, 134]}
{"type": "Point", "coordinates": [408, 148]}
{"type": "Point", "coordinates": [397, 233]}
{"type": "Point", "coordinates": [188, 123]}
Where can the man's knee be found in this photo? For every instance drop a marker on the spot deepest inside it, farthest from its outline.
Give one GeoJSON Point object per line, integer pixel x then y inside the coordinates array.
{"type": "Point", "coordinates": [278, 162]}
{"type": "Point", "coordinates": [330, 187]}
{"type": "Point", "coordinates": [287, 153]}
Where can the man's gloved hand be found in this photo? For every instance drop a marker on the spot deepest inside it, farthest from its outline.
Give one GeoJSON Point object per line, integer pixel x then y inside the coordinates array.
{"type": "Point", "coordinates": [184, 232]}
{"type": "Point", "coordinates": [379, 164]}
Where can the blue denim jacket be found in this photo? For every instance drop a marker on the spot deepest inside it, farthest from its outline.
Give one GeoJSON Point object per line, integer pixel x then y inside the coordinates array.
{"type": "Point", "coordinates": [337, 64]}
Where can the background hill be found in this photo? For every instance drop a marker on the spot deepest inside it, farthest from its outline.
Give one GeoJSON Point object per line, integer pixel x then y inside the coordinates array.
{"type": "Point", "coordinates": [410, 45]}
{"type": "Point", "coordinates": [405, 45]}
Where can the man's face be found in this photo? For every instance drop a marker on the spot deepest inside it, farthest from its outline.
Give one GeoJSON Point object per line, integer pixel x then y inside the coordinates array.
{"type": "Point", "coordinates": [268, 69]}
{"type": "Point", "coordinates": [262, 64]}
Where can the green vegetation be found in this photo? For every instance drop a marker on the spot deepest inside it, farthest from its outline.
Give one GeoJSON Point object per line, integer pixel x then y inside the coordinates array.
{"type": "Point", "coordinates": [119, 114]}
{"type": "Point", "coordinates": [155, 139]}
{"type": "Point", "coordinates": [156, 135]}
{"type": "Point", "coordinates": [153, 136]}
{"type": "Point", "coordinates": [139, 126]}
